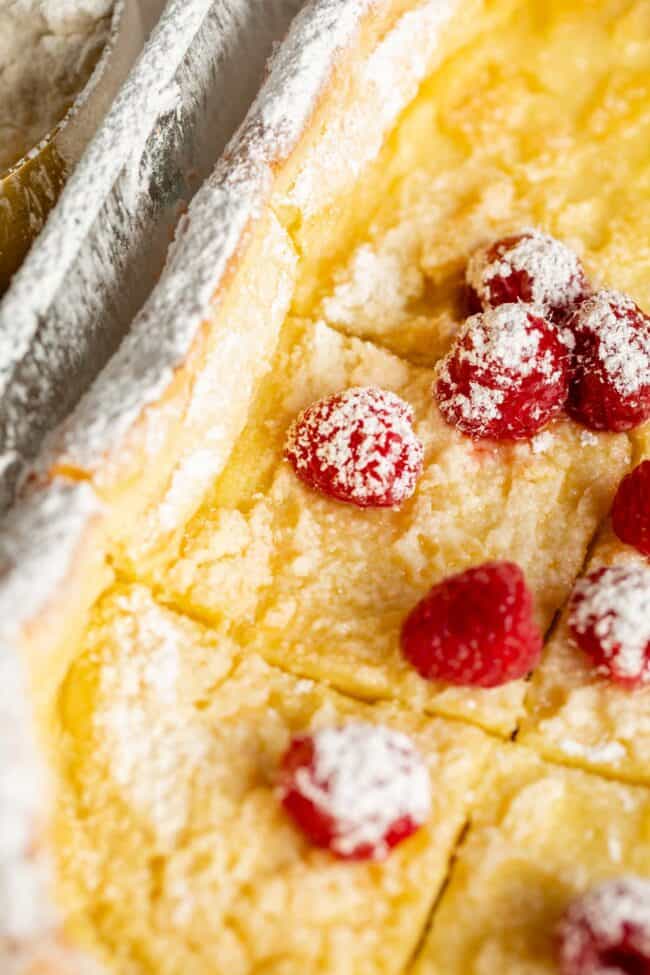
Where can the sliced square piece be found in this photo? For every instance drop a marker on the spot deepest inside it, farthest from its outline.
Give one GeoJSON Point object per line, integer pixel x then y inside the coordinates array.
{"type": "Point", "coordinates": [321, 588]}
{"type": "Point", "coordinates": [541, 835]}
{"type": "Point", "coordinates": [575, 715]}
{"type": "Point", "coordinates": [175, 853]}
{"type": "Point", "coordinates": [468, 167]}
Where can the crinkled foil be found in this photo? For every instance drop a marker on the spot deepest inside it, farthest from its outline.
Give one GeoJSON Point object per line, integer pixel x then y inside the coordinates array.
{"type": "Point", "coordinates": [104, 245]}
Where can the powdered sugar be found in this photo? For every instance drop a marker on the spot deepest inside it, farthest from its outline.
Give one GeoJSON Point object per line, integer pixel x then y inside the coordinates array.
{"type": "Point", "coordinates": [39, 547]}
{"type": "Point", "coordinates": [494, 355]}
{"type": "Point", "coordinates": [609, 753]}
{"type": "Point", "coordinates": [387, 82]}
{"type": "Point", "coordinates": [614, 915]}
{"type": "Point", "coordinates": [359, 446]}
{"type": "Point", "coordinates": [542, 442]}
{"type": "Point", "coordinates": [149, 742]}
{"type": "Point", "coordinates": [366, 778]}
{"type": "Point", "coordinates": [40, 543]}
{"type": "Point", "coordinates": [377, 286]}
{"type": "Point", "coordinates": [588, 439]}
{"type": "Point", "coordinates": [614, 605]}
{"type": "Point", "coordinates": [623, 335]}
{"type": "Point", "coordinates": [553, 271]}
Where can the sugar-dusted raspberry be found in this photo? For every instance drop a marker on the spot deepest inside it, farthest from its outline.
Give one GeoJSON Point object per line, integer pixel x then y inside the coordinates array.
{"type": "Point", "coordinates": [631, 510]}
{"type": "Point", "coordinates": [610, 385]}
{"type": "Point", "coordinates": [356, 790]}
{"type": "Point", "coordinates": [609, 618]}
{"type": "Point", "coordinates": [530, 266]}
{"type": "Point", "coordinates": [475, 629]}
{"type": "Point", "coordinates": [607, 930]}
{"type": "Point", "coordinates": [506, 375]}
{"type": "Point", "coordinates": [358, 446]}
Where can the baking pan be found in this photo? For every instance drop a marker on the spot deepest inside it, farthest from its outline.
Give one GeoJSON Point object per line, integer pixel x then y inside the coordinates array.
{"type": "Point", "coordinates": [30, 188]}
{"type": "Point", "coordinates": [105, 243]}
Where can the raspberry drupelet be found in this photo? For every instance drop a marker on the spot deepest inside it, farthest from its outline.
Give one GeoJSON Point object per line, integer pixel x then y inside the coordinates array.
{"type": "Point", "coordinates": [358, 790]}
{"type": "Point", "coordinates": [609, 619]}
{"type": "Point", "coordinates": [610, 384]}
{"type": "Point", "coordinates": [531, 267]}
{"type": "Point", "coordinates": [475, 629]}
{"type": "Point", "coordinates": [358, 447]}
{"type": "Point", "coordinates": [506, 375]}
{"type": "Point", "coordinates": [607, 930]}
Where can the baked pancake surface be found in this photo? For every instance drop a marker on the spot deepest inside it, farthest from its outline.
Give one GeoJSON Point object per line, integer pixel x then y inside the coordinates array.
{"type": "Point", "coordinates": [176, 852]}
{"type": "Point", "coordinates": [542, 835]}
{"type": "Point", "coordinates": [513, 130]}
{"type": "Point", "coordinates": [251, 607]}
{"type": "Point", "coordinates": [322, 588]}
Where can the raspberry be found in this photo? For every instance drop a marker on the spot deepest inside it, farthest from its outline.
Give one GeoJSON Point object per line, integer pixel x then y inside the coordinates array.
{"type": "Point", "coordinates": [610, 385]}
{"type": "Point", "coordinates": [475, 629]}
{"type": "Point", "coordinates": [607, 930]}
{"type": "Point", "coordinates": [357, 790]}
{"type": "Point", "coordinates": [530, 267]}
{"type": "Point", "coordinates": [631, 510]}
{"type": "Point", "coordinates": [506, 375]}
{"type": "Point", "coordinates": [609, 619]}
{"type": "Point", "coordinates": [359, 447]}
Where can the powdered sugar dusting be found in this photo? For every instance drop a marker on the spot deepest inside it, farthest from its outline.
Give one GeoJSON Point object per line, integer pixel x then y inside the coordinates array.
{"type": "Point", "coordinates": [24, 871]}
{"type": "Point", "coordinates": [149, 743]}
{"type": "Point", "coordinates": [388, 81]}
{"type": "Point", "coordinates": [377, 286]}
{"type": "Point", "coordinates": [609, 753]}
{"type": "Point", "coordinates": [614, 604]}
{"type": "Point", "coordinates": [588, 439]}
{"type": "Point", "coordinates": [366, 778]}
{"type": "Point", "coordinates": [499, 349]}
{"type": "Point", "coordinates": [40, 543]}
{"type": "Point", "coordinates": [553, 270]}
{"type": "Point", "coordinates": [39, 546]}
{"type": "Point", "coordinates": [623, 334]}
{"type": "Point", "coordinates": [613, 915]}
{"type": "Point", "coordinates": [360, 445]}
{"type": "Point", "coordinates": [542, 442]}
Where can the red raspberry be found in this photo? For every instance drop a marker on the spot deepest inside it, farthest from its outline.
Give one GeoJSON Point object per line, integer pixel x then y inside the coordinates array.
{"type": "Point", "coordinates": [357, 791]}
{"type": "Point", "coordinates": [358, 446]}
{"type": "Point", "coordinates": [610, 386]}
{"type": "Point", "coordinates": [631, 510]}
{"type": "Point", "coordinates": [475, 629]}
{"type": "Point", "coordinates": [609, 619]}
{"type": "Point", "coordinates": [607, 930]}
{"type": "Point", "coordinates": [530, 267]}
{"type": "Point", "coordinates": [506, 375]}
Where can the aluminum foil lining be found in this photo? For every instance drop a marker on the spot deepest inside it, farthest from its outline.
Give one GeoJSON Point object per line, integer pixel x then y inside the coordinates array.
{"type": "Point", "coordinates": [104, 245]}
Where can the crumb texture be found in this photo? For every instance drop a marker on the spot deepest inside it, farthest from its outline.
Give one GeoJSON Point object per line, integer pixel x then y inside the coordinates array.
{"type": "Point", "coordinates": [321, 588]}
{"type": "Point", "coordinates": [541, 836]}
{"type": "Point", "coordinates": [175, 851]}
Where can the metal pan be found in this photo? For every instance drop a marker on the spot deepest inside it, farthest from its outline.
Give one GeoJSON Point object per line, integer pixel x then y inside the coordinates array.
{"type": "Point", "coordinates": [30, 189]}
